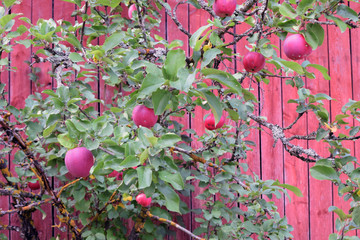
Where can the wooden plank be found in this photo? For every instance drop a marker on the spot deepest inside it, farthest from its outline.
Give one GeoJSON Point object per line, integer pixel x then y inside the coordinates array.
{"type": "Point", "coordinates": [44, 81]}
{"type": "Point", "coordinates": [174, 33]}
{"type": "Point", "coordinates": [272, 164]}
{"type": "Point", "coordinates": [296, 171]}
{"type": "Point", "coordinates": [253, 157]}
{"type": "Point", "coordinates": [197, 18]}
{"type": "Point", "coordinates": [355, 70]}
{"type": "Point", "coordinates": [320, 192]}
{"type": "Point", "coordinates": [340, 72]}
{"type": "Point", "coordinates": [62, 10]}
{"type": "Point", "coordinates": [4, 200]}
{"type": "Point", "coordinates": [20, 84]}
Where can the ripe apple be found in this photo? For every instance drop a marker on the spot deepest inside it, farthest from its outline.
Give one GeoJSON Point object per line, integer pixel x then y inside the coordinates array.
{"type": "Point", "coordinates": [143, 200]}
{"type": "Point", "coordinates": [79, 161]}
{"type": "Point", "coordinates": [253, 62]}
{"type": "Point", "coordinates": [210, 122]}
{"type": "Point", "coordinates": [132, 8]}
{"type": "Point", "coordinates": [144, 116]}
{"type": "Point", "coordinates": [296, 47]}
{"type": "Point", "coordinates": [224, 8]}
{"type": "Point", "coordinates": [34, 186]}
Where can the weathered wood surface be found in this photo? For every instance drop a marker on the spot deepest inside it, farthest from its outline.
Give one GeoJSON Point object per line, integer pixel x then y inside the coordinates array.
{"type": "Point", "coordinates": [309, 215]}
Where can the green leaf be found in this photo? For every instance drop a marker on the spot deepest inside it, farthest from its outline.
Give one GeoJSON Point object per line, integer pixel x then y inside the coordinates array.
{"type": "Point", "coordinates": [49, 92]}
{"type": "Point", "coordinates": [318, 30]}
{"type": "Point", "coordinates": [130, 161]}
{"type": "Point", "coordinates": [144, 176]}
{"type": "Point", "coordinates": [91, 144]}
{"type": "Point", "coordinates": [49, 130]}
{"type": "Point", "coordinates": [322, 172]}
{"type": "Point", "coordinates": [223, 78]}
{"type": "Point", "coordinates": [160, 100]}
{"type": "Point", "coordinates": [195, 37]}
{"type": "Point", "coordinates": [293, 66]}
{"type": "Point", "coordinates": [150, 84]}
{"type": "Point", "coordinates": [66, 141]}
{"type": "Point", "coordinates": [287, 10]}
{"type": "Point", "coordinates": [175, 60]}
{"type": "Point", "coordinates": [144, 155]}
{"type": "Point", "coordinates": [6, 19]}
{"type": "Point", "coordinates": [322, 69]}
{"type": "Point", "coordinates": [356, 215]}
{"type": "Point", "coordinates": [312, 39]}
{"type": "Point", "coordinates": [174, 179]}
{"type": "Point", "coordinates": [321, 133]}
{"type": "Point", "coordinates": [26, 42]}
{"type": "Point", "coordinates": [343, 26]}
{"type": "Point", "coordinates": [304, 5]}
{"type": "Point", "coordinates": [294, 189]}
{"type": "Point", "coordinates": [355, 175]}
{"type": "Point", "coordinates": [9, 3]}
{"type": "Point", "coordinates": [110, 3]}
{"type": "Point", "coordinates": [168, 140]}
{"type": "Point", "coordinates": [74, 41]}
{"type": "Point", "coordinates": [346, 12]}
{"type": "Point", "coordinates": [338, 211]}
{"type": "Point", "coordinates": [209, 56]}
{"type": "Point", "coordinates": [112, 41]}
{"type": "Point", "coordinates": [75, 57]}
{"type": "Point", "coordinates": [185, 81]}
{"type": "Point", "coordinates": [172, 200]}
{"type": "Point", "coordinates": [214, 103]}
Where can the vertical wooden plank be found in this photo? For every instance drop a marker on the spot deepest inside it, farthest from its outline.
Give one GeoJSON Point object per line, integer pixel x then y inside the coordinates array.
{"type": "Point", "coordinates": [197, 18]}
{"type": "Point", "coordinates": [253, 157]}
{"type": "Point", "coordinates": [296, 171]}
{"type": "Point", "coordinates": [272, 164]}
{"type": "Point", "coordinates": [62, 11]}
{"type": "Point", "coordinates": [43, 82]}
{"type": "Point", "coordinates": [4, 200]}
{"type": "Point", "coordinates": [320, 192]}
{"type": "Point", "coordinates": [355, 70]}
{"type": "Point", "coordinates": [20, 84]}
{"type": "Point", "coordinates": [340, 72]}
{"type": "Point", "coordinates": [174, 33]}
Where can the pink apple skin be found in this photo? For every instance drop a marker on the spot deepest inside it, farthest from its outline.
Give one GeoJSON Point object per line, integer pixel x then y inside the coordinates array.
{"type": "Point", "coordinates": [132, 8]}
{"type": "Point", "coordinates": [253, 62]}
{"type": "Point", "coordinates": [34, 186]}
{"type": "Point", "coordinates": [210, 122]}
{"type": "Point", "coordinates": [79, 161]}
{"type": "Point", "coordinates": [296, 47]}
{"type": "Point", "coordinates": [143, 200]}
{"type": "Point", "coordinates": [224, 8]}
{"type": "Point", "coordinates": [144, 116]}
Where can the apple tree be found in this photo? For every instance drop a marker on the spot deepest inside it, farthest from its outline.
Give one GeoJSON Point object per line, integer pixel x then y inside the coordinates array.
{"type": "Point", "coordinates": [124, 164]}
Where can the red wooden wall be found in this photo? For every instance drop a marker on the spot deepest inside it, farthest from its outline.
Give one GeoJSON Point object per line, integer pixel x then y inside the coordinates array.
{"type": "Point", "coordinates": [309, 215]}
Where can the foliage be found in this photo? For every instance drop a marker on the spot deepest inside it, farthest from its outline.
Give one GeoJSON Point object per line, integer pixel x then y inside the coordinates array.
{"type": "Point", "coordinates": [173, 161]}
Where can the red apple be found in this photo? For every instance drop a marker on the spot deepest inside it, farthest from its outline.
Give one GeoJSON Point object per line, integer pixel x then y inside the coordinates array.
{"type": "Point", "coordinates": [34, 186]}
{"type": "Point", "coordinates": [296, 47]}
{"type": "Point", "coordinates": [253, 62]}
{"type": "Point", "coordinates": [79, 161]}
{"type": "Point", "coordinates": [144, 116]}
{"type": "Point", "coordinates": [224, 8]}
{"type": "Point", "coordinates": [143, 200]}
{"type": "Point", "coordinates": [132, 8]}
{"type": "Point", "coordinates": [210, 122]}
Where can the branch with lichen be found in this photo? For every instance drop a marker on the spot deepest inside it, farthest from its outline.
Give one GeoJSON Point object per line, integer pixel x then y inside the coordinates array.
{"type": "Point", "coordinates": [171, 223]}
{"type": "Point", "coordinates": [18, 141]}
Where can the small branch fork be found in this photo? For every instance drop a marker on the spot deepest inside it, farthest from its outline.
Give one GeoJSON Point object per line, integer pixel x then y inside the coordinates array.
{"type": "Point", "coordinates": [140, 221]}
{"type": "Point", "coordinates": [202, 160]}
{"type": "Point", "coordinates": [171, 223]}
